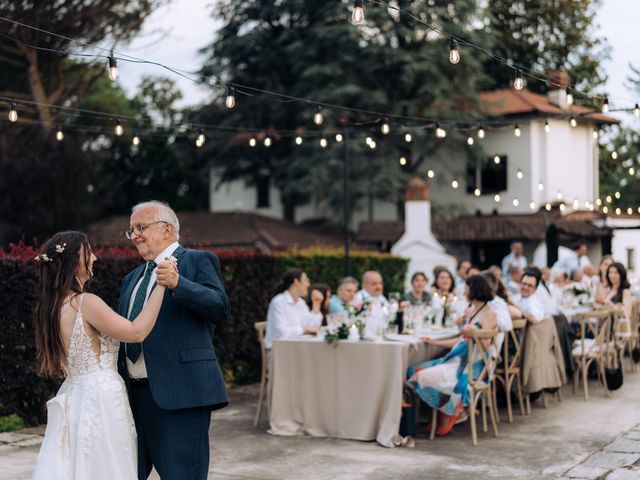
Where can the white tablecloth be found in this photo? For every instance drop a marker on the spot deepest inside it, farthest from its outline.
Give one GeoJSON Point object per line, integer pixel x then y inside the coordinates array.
{"type": "Point", "coordinates": [351, 389]}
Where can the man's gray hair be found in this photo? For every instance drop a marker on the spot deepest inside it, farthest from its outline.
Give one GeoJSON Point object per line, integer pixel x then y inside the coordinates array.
{"type": "Point", "coordinates": [347, 280]}
{"type": "Point", "coordinates": [165, 214]}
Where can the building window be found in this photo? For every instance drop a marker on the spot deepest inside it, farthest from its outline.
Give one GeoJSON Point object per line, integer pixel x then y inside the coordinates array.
{"type": "Point", "coordinates": [488, 175]}
{"type": "Point", "coordinates": [631, 259]}
{"type": "Point", "coordinates": [263, 189]}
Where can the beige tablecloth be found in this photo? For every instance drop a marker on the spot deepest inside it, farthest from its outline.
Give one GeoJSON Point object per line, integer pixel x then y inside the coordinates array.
{"type": "Point", "coordinates": [350, 390]}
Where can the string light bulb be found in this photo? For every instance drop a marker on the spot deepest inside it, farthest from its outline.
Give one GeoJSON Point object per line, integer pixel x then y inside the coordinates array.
{"type": "Point", "coordinates": [515, 202]}
{"type": "Point", "coordinates": [518, 82]}
{"type": "Point", "coordinates": [519, 174]}
{"type": "Point", "coordinates": [575, 204]}
{"type": "Point", "coordinates": [372, 144]}
{"type": "Point", "coordinates": [317, 117]}
{"type": "Point", "coordinates": [516, 131]}
{"type": "Point", "coordinates": [559, 195]}
{"type": "Point", "coordinates": [636, 110]}
{"type": "Point", "coordinates": [357, 16]}
{"type": "Point", "coordinates": [477, 192]}
{"type": "Point", "coordinates": [324, 143]}
{"type": "Point", "coordinates": [252, 142]}
{"type": "Point", "coordinates": [118, 130]}
{"type": "Point", "coordinates": [403, 161]}
{"type": "Point", "coordinates": [608, 199]}
{"type": "Point", "coordinates": [267, 142]}
{"type": "Point", "coordinates": [431, 173]}
{"type": "Point", "coordinates": [540, 186]}
{"type": "Point", "coordinates": [298, 140]}
{"type": "Point", "coordinates": [605, 209]}
{"type": "Point", "coordinates": [59, 134]}
{"type": "Point", "coordinates": [629, 211]}
{"type": "Point", "coordinates": [385, 129]}
{"type": "Point", "coordinates": [547, 207]}
{"type": "Point", "coordinates": [113, 68]}
{"type": "Point", "coordinates": [617, 195]}
{"type": "Point", "coordinates": [569, 96]}
{"type": "Point", "coordinates": [532, 205]}
{"type": "Point", "coordinates": [470, 140]}
{"type": "Point", "coordinates": [562, 207]}
{"type": "Point", "coordinates": [598, 202]}
{"type": "Point", "coordinates": [497, 198]}
{"type": "Point", "coordinates": [201, 138]}
{"type": "Point", "coordinates": [454, 184]}
{"type": "Point", "coordinates": [407, 137]}
{"type": "Point", "coordinates": [547, 127]}
{"type": "Point", "coordinates": [632, 171]}
{"type": "Point", "coordinates": [454, 54]}
{"type": "Point", "coordinates": [338, 137]}
{"type": "Point", "coordinates": [614, 155]}
{"type": "Point", "coordinates": [368, 140]}
{"type": "Point", "coordinates": [605, 105]}
{"type": "Point", "coordinates": [199, 142]}
{"type": "Point", "coordinates": [573, 122]}
{"type": "Point", "coordinates": [136, 140]}
{"type": "Point", "coordinates": [13, 112]}
{"type": "Point", "coordinates": [440, 132]}
{"type": "Point", "coordinates": [595, 134]}
{"type": "Point", "coordinates": [480, 132]}
{"type": "Point", "coordinates": [230, 101]}
{"type": "Point", "coordinates": [496, 159]}
{"type": "Point", "coordinates": [618, 211]}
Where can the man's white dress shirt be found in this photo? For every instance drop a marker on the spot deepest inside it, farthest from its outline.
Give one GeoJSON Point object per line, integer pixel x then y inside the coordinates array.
{"type": "Point", "coordinates": [511, 259]}
{"type": "Point", "coordinates": [531, 306]}
{"type": "Point", "coordinates": [286, 318]}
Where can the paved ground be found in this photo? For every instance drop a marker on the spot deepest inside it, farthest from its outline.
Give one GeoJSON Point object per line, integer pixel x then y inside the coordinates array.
{"type": "Point", "coordinates": [599, 439]}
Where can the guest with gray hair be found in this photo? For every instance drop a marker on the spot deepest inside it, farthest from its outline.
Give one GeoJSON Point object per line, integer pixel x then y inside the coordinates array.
{"type": "Point", "coordinates": [342, 300]}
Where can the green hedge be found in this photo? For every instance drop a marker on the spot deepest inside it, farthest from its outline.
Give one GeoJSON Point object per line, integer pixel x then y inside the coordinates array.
{"type": "Point", "coordinates": [251, 280]}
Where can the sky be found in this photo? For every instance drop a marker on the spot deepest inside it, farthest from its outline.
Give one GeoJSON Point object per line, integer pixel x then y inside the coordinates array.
{"type": "Point", "coordinates": [174, 33]}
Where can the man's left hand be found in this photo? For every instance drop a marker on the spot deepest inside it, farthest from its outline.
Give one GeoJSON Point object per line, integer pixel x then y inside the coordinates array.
{"type": "Point", "coordinates": [167, 274]}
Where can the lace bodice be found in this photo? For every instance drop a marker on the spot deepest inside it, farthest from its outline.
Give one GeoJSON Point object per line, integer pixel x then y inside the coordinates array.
{"type": "Point", "coordinates": [81, 359]}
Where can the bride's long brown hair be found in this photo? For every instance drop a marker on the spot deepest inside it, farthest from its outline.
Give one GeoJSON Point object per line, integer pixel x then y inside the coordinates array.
{"type": "Point", "coordinates": [57, 268]}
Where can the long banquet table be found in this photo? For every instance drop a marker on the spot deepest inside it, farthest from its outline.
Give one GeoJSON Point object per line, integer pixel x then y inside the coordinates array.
{"type": "Point", "coordinates": [350, 390]}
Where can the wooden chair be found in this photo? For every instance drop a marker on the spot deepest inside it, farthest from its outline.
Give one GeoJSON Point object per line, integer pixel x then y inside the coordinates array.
{"type": "Point", "coordinates": [261, 327]}
{"type": "Point", "coordinates": [627, 340]}
{"type": "Point", "coordinates": [600, 349]}
{"type": "Point", "coordinates": [509, 372]}
{"type": "Point", "coordinates": [480, 386]}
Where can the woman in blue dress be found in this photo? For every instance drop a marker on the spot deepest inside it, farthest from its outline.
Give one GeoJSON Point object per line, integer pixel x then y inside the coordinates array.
{"type": "Point", "coordinates": [443, 383]}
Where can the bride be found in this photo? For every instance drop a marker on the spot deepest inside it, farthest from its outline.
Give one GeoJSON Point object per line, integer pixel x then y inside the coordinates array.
{"type": "Point", "coordinates": [90, 430]}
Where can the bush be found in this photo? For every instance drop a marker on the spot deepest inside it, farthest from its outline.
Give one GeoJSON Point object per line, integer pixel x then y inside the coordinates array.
{"type": "Point", "coordinates": [251, 280]}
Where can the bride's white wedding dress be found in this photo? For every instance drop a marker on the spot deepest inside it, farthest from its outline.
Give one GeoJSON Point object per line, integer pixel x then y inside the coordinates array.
{"type": "Point", "coordinates": [90, 431]}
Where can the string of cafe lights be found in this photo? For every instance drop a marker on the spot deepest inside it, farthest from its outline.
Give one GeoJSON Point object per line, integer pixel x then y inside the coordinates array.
{"type": "Point", "coordinates": [230, 100]}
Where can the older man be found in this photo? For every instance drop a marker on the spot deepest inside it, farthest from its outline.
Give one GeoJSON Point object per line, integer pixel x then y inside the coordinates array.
{"type": "Point", "coordinates": [372, 288]}
{"type": "Point", "coordinates": [342, 300]}
{"type": "Point", "coordinates": [173, 377]}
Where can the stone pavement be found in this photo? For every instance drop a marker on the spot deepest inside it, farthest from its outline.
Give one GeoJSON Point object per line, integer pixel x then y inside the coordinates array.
{"type": "Point", "coordinates": [598, 439]}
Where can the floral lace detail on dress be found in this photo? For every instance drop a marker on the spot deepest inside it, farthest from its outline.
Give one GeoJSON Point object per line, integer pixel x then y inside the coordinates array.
{"type": "Point", "coordinates": [81, 358]}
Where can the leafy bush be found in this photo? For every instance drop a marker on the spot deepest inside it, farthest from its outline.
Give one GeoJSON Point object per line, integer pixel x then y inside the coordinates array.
{"type": "Point", "coordinates": [251, 280]}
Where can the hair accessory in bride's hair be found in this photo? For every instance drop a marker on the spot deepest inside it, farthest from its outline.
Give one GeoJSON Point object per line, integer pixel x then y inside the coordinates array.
{"type": "Point", "coordinates": [60, 248]}
{"type": "Point", "coordinates": [43, 257]}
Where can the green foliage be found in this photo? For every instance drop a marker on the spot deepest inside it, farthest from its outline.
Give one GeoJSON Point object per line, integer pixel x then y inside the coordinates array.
{"type": "Point", "coordinates": [11, 422]}
{"type": "Point", "coordinates": [542, 35]}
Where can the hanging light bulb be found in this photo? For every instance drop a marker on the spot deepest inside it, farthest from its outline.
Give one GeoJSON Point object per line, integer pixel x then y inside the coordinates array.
{"type": "Point", "coordinates": [573, 122]}
{"type": "Point", "coordinates": [605, 105]}
{"type": "Point", "coordinates": [403, 161]}
{"type": "Point", "coordinates": [497, 198]}
{"type": "Point", "coordinates": [532, 205]}
{"type": "Point", "coordinates": [519, 174]}
{"type": "Point", "coordinates": [617, 195]}
{"type": "Point", "coordinates": [477, 192]}
{"type": "Point", "coordinates": [118, 130]}
{"type": "Point", "coordinates": [454, 184]}
{"type": "Point", "coordinates": [516, 131]}
{"type": "Point", "coordinates": [385, 129]}
{"type": "Point", "coordinates": [59, 134]}
{"type": "Point", "coordinates": [440, 132]}
{"type": "Point", "coordinates": [470, 140]}
{"type": "Point", "coordinates": [252, 142]}
{"type": "Point", "coordinates": [559, 195]}
{"type": "Point", "coordinates": [639, 210]}
{"type": "Point", "coordinates": [636, 110]}
{"type": "Point", "coordinates": [317, 117]}
{"type": "Point", "coordinates": [614, 155]}
{"type": "Point", "coordinates": [595, 134]}
{"type": "Point", "coordinates": [368, 140]}
{"type": "Point", "coordinates": [199, 142]}
{"type": "Point", "coordinates": [605, 209]}
{"type": "Point", "coordinates": [575, 204]}
{"type": "Point", "coordinates": [372, 144]}
{"type": "Point", "coordinates": [267, 142]}
{"type": "Point", "coordinates": [13, 112]}
{"type": "Point", "coordinates": [136, 140]}
{"type": "Point", "coordinates": [516, 202]}
{"type": "Point", "coordinates": [357, 16]}
{"type": "Point", "coordinates": [496, 159]}
{"type": "Point", "coordinates": [632, 171]}
{"type": "Point", "coordinates": [323, 143]}
{"type": "Point", "coordinates": [540, 186]}
{"type": "Point", "coordinates": [454, 54]}
{"type": "Point", "coordinates": [618, 211]}
{"type": "Point", "coordinates": [629, 211]}
{"type": "Point", "coordinates": [569, 96]}
{"type": "Point", "coordinates": [298, 140]}
{"type": "Point", "coordinates": [230, 101]}
{"type": "Point", "coordinates": [547, 207]}
{"type": "Point", "coordinates": [562, 207]}
{"type": "Point", "coordinates": [518, 82]}
{"type": "Point", "coordinates": [591, 208]}
{"type": "Point", "coordinates": [407, 137]}
{"type": "Point", "coordinates": [598, 202]}
{"type": "Point", "coordinates": [480, 132]}
{"type": "Point", "coordinates": [431, 173]}
{"type": "Point", "coordinates": [113, 68]}
{"type": "Point", "coordinates": [201, 138]}
{"type": "Point", "coordinates": [547, 127]}
{"type": "Point", "coordinates": [338, 137]}
{"type": "Point", "coordinates": [608, 199]}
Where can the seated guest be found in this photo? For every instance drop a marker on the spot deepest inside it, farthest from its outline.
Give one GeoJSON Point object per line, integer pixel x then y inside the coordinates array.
{"type": "Point", "coordinates": [288, 314]}
{"type": "Point", "coordinates": [602, 287]}
{"type": "Point", "coordinates": [343, 300]}
{"type": "Point", "coordinates": [589, 278]}
{"type": "Point", "coordinates": [461, 274]}
{"type": "Point", "coordinates": [530, 306]}
{"type": "Point", "coordinates": [418, 294]}
{"type": "Point", "coordinates": [372, 288]}
{"type": "Point", "coordinates": [443, 383]}
{"type": "Point", "coordinates": [543, 294]}
{"type": "Point", "coordinates": [515, 274]}
{"type": "Point", "coordinates": [619, 293]}
{"type": "Point", "coordinates": [443, 284]}
{"type": "Point", "coordinates": [320, 293]}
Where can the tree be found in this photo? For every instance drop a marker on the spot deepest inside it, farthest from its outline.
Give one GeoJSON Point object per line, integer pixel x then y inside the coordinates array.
{"type": "Point", "coordinates": [543, 35]}
{"type": "Point", "coordinates": [310, 49]}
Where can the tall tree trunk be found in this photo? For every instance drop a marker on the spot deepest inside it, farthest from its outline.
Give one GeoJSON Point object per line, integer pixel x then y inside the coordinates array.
{"type": "Point", "coordinates": [37, 88]}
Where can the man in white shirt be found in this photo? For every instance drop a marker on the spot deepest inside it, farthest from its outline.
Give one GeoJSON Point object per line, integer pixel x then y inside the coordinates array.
{"type": "Point", "coordinates": [371, 293]}
{"type": "Point", "coordinates": [515, 258]}
{"type": "Point", "coordinates": [532, 309]}
{"type": "Point", "coordinates": [577, 260]}
{"type": "Point", "coordinates": [288, 315]}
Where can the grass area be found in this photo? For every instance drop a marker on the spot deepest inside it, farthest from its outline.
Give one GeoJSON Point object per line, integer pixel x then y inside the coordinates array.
{"type": "Point", "coordinates": [11, 422]}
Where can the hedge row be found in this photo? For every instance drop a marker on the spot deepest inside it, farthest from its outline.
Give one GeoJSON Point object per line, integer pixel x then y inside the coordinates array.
{"type": "Point", "coordinates": [251, 279]}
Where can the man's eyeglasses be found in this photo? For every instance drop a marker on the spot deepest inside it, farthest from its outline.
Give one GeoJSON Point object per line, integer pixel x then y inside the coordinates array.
{"type": "Point", "coordinates": [139, 228]}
